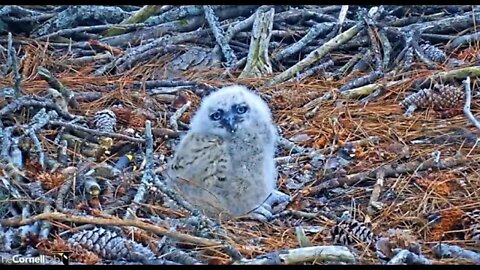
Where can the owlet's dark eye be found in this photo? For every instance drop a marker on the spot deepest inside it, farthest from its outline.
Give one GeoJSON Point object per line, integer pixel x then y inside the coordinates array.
{"type": "Point", "coordinates": [216, 115]}
{"type": "Point", "coordinates": [241, 109]}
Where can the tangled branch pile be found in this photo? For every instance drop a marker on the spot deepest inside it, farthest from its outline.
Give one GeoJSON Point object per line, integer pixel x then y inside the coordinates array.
{"type": "Point", "coordinates": [375, 106]}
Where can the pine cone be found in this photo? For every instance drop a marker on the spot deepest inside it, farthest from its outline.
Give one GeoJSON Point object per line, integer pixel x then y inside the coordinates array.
{"type": "Point", "coordinates": [109, 245]}
{"type": "Point", "coordinates": [51, 180]}
{"type": "Point", "coordinates": [105, 120]}
{"type": "Point", "coordinates": [137, 121]}
{"type": "Point", "coordinates": [440, 97]}
{"type": "Point", "coordinates": [471, 221]}
{"type": "Point", "coordinates": [346, 231]}
{"type": "Point", "coordinates": [433, 53]}
{"type": "Point", "coordinates": [123, 114]}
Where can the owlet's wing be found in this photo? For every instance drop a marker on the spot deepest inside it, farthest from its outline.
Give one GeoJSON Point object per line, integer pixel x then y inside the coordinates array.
{"type": "Point", "coordinates": [198, 168]}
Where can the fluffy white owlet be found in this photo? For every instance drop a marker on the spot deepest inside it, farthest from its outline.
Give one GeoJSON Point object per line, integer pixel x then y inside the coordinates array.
{"type": "Point", "coordinates": [225, 164]}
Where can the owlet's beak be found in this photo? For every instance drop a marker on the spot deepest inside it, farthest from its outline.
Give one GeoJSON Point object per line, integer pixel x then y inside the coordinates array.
{"type": "Point", "coordinates": [229, 122]}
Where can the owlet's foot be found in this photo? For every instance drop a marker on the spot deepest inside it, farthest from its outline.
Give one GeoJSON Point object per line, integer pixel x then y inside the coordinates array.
{"type": "Point", "coordinates": [264, 212]}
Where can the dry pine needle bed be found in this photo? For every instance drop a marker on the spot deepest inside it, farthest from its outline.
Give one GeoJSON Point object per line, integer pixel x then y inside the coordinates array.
{"type": "Point", "coordinates": [377, 108]}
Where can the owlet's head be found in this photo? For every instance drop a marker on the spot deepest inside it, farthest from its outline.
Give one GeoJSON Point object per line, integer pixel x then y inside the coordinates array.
{"type": "Point", "coordinates": [228, 110]}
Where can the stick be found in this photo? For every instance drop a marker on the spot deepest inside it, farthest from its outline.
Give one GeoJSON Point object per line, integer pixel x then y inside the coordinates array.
{"type": "Point", "coordinates": [373, 204]}
{"type": "Point", "coordinates": [390, 170]}
{"type": "Point", "coordinates": [313, 33]}
{"type": "Point", "coordinates": [38, 121]}
{"type": "Point", "coordinates": [73, 14]}
{"type": "Point", "coordinates": [370, 88]}
{"type": "Point", "coordinates": [148, 55]}
{"type": "Point", "coordinates": [219, 35]}
{"type": "Point", "coordinates": [358, 82]}
{"type": "Point", "coordinates": [11, 222]}
{"type": "Point", "coordinates": [26, 101]}
{"type": "Point", "coordinates": [302, 255]}
{"type": "Point", "coordinates": [55, 83]}
{"type": "Point", "coordinates": [316, 55]}
{"type": "Point", "coordinates": [148, 173]}
{"type": "Point", "coordinates": [408, 257]}
{"type": "Point", "coordinates": [314, 70]}
{"type": "Point", "coordinates": [140, 16]}
{"type": "Point", "coordinates": [70, 31]}
{"type": "Point", "coordinates": [386, 48]}
{"type": "Point", "coordinates": [468, 100]}
{"type": "Point", "coordinates": [451, 251]}
{"type": "Point", "coordinates": [95, 132]}
{"type": "Point", "coordinates": [178, 114]}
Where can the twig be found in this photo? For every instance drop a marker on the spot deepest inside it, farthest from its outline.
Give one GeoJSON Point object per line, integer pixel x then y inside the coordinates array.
{"type": "Point", "coordinates": [451, 251]}
{"type": "Point", "coordinates": [96, 132]}
{"type": "Point", "coordinates": [63, 192]}
{"type": "Point", "coordinates": [12, 56]}
{"type": "Point", "coordinates": [6, 143]}
{"type": "Point", "coordinates": [314, 105]}
{"type": "Point", "coordinates": [454, 24]}
{"type": "Point", "coordinates": [55, 83]}
{"type": "Point", "coordinates": [219, 35]}
{"type": "Point", "coordinates": [386, 48]}
{"type": "Point", "coordinates": [87, 59]}
{"type": "Point", "coordinates": [140, 16]}
{"type": "Point", "coordinates": [314, 70]}
{"type": "Point", "coordinates": [296, 213]}
{"type": "Point", "coordinates": [178, 114]}
{"type": "Point", "coordinates": [62, 156]}
{"type": "Point", "coordinates": [243, 25]}
{"type": "Point", "coordinates": [26, 101]}
{"type": "Point", "coordinates": [302, 255]}
{"type": "Point", "coordinates": [358, 82]}
{"type": "Point", "coordinates": [70, 31]}
{"type": "Point", "coordinates": [389, 170]}
{"type": "Point", "coordinates": [364, 63]}
{"type": "Point", "coordinates": [357, 57]}
{"type": "Point", "coordinates": [170, 13]}
{"type": "Point", "coordinates": [148, 174]}
{"type": "Point", "coordinates": [370, 88]}
{"type": "Point", "coordinates": [38, 121]}
{"type": "Point", "coordinates": [18, 10]}
{"type": "Point", "coordinates": [373, 204]}
{"type": "Point", "coordinates": [409, 258]}
{"type": "Point", "coordinates": [371, 30]}
{"type": "Point", "coordinates": [313, 33]}
{"type": "Point", "coordinates": [29, 19]}
{"type": "Point", "coordinates": [147, 55]}
{"type": "Point", "coordinates": [459, 41]}
{"type": "Point", "coordinates": [159, 42]}
{"type": "Point", "coordinates": [342, 15]}
{"type": "Point", "coordinates": [46, 227]}
{"type": "Point", "coordinates": [461, 73]}
{"type": "Point", "coordinates": [316, 55]}
{"type": "Point", "coordinates": [14, 222]}
{"type": "Point", "coordinates": [468, 100]}
{"type": "Point", "coordinates": [74, 14]}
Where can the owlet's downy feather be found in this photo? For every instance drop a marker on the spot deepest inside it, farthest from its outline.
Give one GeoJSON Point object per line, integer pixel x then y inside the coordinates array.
{"type": "Point", "coordinates": [225, 164]}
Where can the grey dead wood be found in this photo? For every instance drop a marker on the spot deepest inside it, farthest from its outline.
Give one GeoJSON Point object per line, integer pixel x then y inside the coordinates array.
{"type": "Point", "coordinates": [180, 25]}
{"type": "Point", "coordinates": [303, 255]}
{"type": "Point", "coordinates": [73, 15]}
{"type": "Point", "coordinates": [219, 35]}
{"type": "Point", "coordinates": [316, 55]}
{"type": "Point", "coordinates": [139, 16]}
{"type": "Point", "coordinates": [258, 61]}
